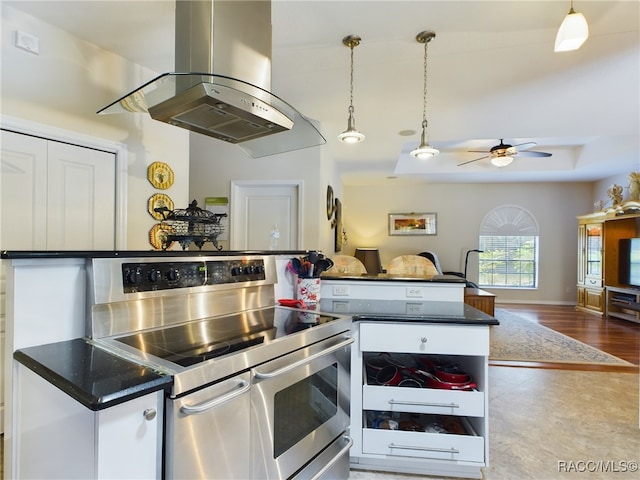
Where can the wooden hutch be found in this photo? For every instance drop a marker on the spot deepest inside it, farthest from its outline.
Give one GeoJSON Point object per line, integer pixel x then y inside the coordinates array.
{"type": "Point", "coordinates": [599, 288]}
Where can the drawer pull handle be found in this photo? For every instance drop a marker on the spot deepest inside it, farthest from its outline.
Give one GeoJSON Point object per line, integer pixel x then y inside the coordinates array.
{"type": "Point", "coordinates": [425, 449]}
{"type": "Point", "coordinates": [423, 339]}
{"type": "Point", "coordinates": [424, 404]}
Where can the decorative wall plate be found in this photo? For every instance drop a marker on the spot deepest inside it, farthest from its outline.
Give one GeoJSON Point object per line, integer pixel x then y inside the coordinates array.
{"type": "Point", "coordinates": [158, 236]}
{"type": "Point", "coordinates": [160, 175]}
{"type": "Point", "coordinates": [159, 200]}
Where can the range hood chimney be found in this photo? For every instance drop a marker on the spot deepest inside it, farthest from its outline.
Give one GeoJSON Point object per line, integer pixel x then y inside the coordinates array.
{"type": "Point", "coordinates": [220, 87]}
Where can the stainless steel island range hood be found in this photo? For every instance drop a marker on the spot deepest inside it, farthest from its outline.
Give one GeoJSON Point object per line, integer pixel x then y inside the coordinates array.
{"type": "Point", "coordinates": [220, 87]}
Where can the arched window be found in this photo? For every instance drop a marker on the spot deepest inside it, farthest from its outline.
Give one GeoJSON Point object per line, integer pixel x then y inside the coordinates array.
{"type": "Point", "coordinates": [509, 244]}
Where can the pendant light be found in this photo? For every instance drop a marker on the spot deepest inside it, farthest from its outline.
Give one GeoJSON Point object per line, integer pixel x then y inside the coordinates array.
{"type": "Point", "coordinates": [573, 32]}
{"type": "Point", "coordinates": [424, 150]}
{"type": "Point", "coordinates": [351, 135]}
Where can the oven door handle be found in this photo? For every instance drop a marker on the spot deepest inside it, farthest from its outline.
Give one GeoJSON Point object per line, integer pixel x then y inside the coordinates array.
{"type": "Point", "coordinates": [331, 462]}
{"type": "Point", "coordinates": [299, 363]}
{"type": "Point", "coordinates": [241, 387]}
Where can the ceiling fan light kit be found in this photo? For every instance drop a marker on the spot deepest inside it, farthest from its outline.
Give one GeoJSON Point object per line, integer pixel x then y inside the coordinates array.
{"type": "Point", "coordinates": [424, 150]}
{"type": "Point", "coordinates": [503, 154]}
{"type": "Point", "coordinates": [573, 32]}
{"type": "Point", "coordinates": [502, 161]}
{"type": "Point", "coordinates": [351, 134]}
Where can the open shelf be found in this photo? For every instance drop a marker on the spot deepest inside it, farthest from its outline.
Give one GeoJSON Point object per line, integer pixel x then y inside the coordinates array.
{"type": "Point", "coordinates": [623, 303]}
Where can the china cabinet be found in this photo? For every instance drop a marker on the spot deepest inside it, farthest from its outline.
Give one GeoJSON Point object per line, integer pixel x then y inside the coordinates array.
{"type": "Point", "coordinates": [599, 260]}
{"type": "Point", "coordinates": [590, 286]}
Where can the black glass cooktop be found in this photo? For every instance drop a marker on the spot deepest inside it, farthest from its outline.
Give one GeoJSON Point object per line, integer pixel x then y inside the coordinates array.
{"type": "Point", "coordinates": [202, 340]}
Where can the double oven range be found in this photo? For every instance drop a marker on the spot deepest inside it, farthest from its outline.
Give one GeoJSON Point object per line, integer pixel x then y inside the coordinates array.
{"type": "Point", "coordinates": [259, 390]}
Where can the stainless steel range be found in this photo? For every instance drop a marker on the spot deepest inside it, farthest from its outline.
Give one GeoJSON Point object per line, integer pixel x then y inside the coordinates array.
{"type": "Point", "coordinates": [259, 390]}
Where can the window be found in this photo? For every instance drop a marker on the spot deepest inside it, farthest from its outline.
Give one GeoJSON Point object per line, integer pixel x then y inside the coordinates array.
{"type": "Point", "coordinates": [509, 244]}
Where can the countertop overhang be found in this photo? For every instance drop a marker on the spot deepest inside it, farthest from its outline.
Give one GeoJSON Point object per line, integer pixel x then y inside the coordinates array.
{"type": "Point", "coordinates": [92, 376]}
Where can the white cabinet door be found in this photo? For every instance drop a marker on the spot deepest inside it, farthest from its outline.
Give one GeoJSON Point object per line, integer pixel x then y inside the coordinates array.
{"type": "Point", "coordinates": [56, 196]}
{"type": "Point", "coordinates": [130, 439]}
{"type": "Point", "coordinates": [23, 176]}
{"type": "Point", "coordinates": [80, 198]}
{"type": "Point", "coordinates": [59, 438]}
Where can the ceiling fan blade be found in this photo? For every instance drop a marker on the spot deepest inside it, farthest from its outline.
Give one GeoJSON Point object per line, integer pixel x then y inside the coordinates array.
{"type": "Point", "coordinates": [524, 146]}
{"type": "Point", "coordinates": [474, 160]}
{"type": "Point", "coordinates": [478, 151]}
{"type": "Point", "coordinates": [531, 153]}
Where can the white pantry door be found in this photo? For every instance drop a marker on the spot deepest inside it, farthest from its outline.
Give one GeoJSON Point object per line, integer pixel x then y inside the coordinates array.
{"type": "Point", "coordinates": [81, 198]}
{"type": "Point", "coordinates": [257, 208]}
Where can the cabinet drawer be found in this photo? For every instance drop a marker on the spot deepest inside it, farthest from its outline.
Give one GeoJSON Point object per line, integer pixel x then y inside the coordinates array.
{"type": "Point", "coordinates": [424, 338]}
{"type": "Point", "coordinates": [422, 400]}
{"type": "Point", "coordinates": [593, 282]}
{"type": "Point", "coordinates": [423, 445]}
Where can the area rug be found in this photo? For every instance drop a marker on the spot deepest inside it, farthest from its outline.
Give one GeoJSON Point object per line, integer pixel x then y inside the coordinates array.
{"type": "Point", "coordinates": [520, 340]}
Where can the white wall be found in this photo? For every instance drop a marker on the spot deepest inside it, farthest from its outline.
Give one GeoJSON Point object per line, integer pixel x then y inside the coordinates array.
{"type": "Point", "coordinates": [66, 84]}
{"type": "Point", "coordinates": [460, 209]}
{"type": "Point", "coordinates": [214, 164]}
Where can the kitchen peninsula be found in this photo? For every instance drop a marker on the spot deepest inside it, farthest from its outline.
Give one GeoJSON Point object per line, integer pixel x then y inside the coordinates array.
{"type": "Point", "coordinates": [430, 415]}
{"type": "Point", "coordinates": [425, 318]}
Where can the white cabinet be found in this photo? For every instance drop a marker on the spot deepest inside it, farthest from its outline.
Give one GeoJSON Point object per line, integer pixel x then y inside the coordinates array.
{"type": "Point", "coordinates": [54, 196]}
{"type": "Point", "coordinates": [408, 441]}
{"type": "Point", "coordinates": [123, 441]}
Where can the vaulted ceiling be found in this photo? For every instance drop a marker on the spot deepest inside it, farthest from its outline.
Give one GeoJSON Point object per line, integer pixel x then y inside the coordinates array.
{"type": "Point", "coordinates": [492, 74]}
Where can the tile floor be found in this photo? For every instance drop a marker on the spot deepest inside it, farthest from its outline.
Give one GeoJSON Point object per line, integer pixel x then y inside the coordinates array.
{"type": "Point", "coordinates": [541, 421]}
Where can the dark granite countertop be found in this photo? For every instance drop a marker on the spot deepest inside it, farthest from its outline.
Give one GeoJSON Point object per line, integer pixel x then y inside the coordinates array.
{"type": "Point", "coordinates": [386, 277]}
{"type": "Point", "coordinates": [92, 376]}
{"type": "Point", "coordinates": [403, 311]}
{"type": "Point", "coordinates": [34, 254]}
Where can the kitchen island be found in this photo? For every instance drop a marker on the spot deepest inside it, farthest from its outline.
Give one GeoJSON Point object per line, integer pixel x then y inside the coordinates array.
{"type": "Point", "coordinates": [398, 424]}
{"type": "Point", "coordinates": [63, 372]}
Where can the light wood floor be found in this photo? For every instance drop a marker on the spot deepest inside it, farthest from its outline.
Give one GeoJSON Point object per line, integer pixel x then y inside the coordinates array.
{"type": "Point", "coordinates": [617, 337]}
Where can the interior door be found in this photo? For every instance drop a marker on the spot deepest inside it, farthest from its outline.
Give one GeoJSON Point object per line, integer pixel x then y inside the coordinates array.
{"type": "Point", "coordinates": [265, 216]}
{"type": "Point", "coordinates": [23, 175]}
{"type": "Point", "coordinates": [80, 198]}
{"type": "Point", "coordinates": [56, 196]}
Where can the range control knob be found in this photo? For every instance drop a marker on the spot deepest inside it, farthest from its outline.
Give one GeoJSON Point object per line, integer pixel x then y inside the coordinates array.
{"type": "Point", "coordinates": [235, 271]}
{"type": "Point", "coordinates": [132, 277]}
{"type": "Point", "coordinates": [259, 269]}
{"type": "Point", "coordinates": [172, 275]}
{"type": "Point", "coordinates": [154, 276]}
{"type": "Point", "coordinates": [248, 270]}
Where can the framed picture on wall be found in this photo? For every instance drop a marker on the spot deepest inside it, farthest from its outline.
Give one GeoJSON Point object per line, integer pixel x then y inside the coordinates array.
{"type": "Point", "coordinates": [412, 224]}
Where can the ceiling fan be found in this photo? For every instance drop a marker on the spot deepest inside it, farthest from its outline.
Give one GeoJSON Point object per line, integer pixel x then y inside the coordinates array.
{"type": "Point", "coordinates": [502, 155]}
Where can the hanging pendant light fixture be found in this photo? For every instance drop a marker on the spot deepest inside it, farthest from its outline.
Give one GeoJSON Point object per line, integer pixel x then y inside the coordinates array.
{"type": "Point", "coordinates": [351, 135]}
{"type": "Point", "coordinates": [425, 150]}
{"type": "Point", "coordinates": [573, 32]}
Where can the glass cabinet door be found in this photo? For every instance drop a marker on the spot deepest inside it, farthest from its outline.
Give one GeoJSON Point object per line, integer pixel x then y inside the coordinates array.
{"type": "Point", "coordinates": [594, 251]}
